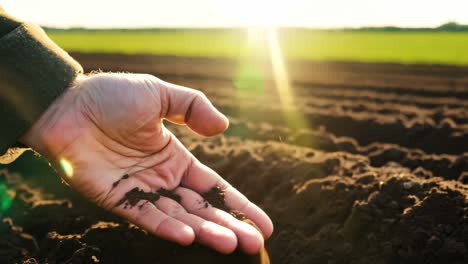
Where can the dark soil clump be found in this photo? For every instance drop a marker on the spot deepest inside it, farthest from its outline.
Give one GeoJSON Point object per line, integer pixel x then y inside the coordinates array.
{"type": "Point", "coordinates": [117, 182]}
{"type": "Point", "coordinates": [169, 194]}
{"type": "Point", "coordinates": [215, 197]}
{"type": "Point", "coordinates": [135, 195]}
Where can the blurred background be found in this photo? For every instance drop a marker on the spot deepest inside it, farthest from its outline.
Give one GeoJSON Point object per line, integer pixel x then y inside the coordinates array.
{"type": "Point", "coordinates": [360, 30]}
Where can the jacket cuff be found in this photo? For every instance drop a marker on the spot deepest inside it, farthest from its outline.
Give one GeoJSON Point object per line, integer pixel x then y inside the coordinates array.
{"type": "Point", "coordinates": [34, 71]}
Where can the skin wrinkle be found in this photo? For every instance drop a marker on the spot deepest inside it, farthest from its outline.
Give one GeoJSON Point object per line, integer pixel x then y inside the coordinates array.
{"type": "Point", "coordinates": [129, 134]}
{"type": "Point", "coordinates": [106, 203]}
{"type": "Point", "coordinates": [144, 210]}
{"type": "Point", "coordinates": [151, 90]}
{"type": "Point", "coordinates": [97, 197]}
{"type": "Point", "coordinates": [59, 154]}
{"type": "Point", "coordinates": [176, 209]}
{"type": "Point", "coordinates": [112, 189]}
{"type": "Point", "coordinates": [156, 229]}
{"type": "Point", "coordinates": [102, 202]}
{"type": "Point", "coordinates": [184, 177]}
{"type": "Point", "coordinates": [54, 118]}
{"type": "Point", "coordinates": [156, 174]}
{"type": "Point", "coordinates": [126, 168]}
{"type": "Point", "coordinates": [143, 168]}
{"type": "Point", "coordinates": [155, 90]}
{"type": "Point", "coordinates": [165, 102]}
{"type": "Point", "coordinates": [149, 156]}
{"type": "Point", "coordinates": [139, 154]}
{"type": "Point", "coordinates": [145, 159]}
{"type": "Point", "coordinates": [100, 197]}
{"type": "Point", "coordinates": [189, 109]}
{"type": "Point", "coordinates": [90, 92]}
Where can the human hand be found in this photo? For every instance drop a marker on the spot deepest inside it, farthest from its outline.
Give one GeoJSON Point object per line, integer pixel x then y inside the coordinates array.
{"type": "Point", "coordinates": [110, 125]}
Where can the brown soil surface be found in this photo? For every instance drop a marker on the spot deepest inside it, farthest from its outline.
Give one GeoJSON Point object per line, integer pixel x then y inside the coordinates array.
{"type": "Point", "coordinates": [376, 171]}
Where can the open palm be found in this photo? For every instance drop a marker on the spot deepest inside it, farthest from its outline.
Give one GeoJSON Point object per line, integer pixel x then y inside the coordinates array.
{"type": "Point", "coordinates": [108, 133]}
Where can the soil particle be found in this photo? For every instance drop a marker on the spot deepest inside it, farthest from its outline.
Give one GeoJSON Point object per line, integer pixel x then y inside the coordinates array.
{"type": "Point", "coordinates": [169, 194]}
{"type": "Point", "coordinates": [215, 197]}
{"type": "Point", "coordinates": [132, 197]}
{"type": "Point", "coordinates": [117, 182]}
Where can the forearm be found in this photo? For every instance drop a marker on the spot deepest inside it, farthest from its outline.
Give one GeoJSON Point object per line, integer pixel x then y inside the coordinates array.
{"type": "Point", "coordinates": [34, 71]}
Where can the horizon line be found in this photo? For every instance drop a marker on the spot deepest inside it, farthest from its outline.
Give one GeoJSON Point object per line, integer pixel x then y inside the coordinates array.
{"type": "Point", "coordinates": [449, 25]}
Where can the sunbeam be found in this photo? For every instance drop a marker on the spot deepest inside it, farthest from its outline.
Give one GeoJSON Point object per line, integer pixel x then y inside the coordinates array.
{"type": "Point", "coordinates": [279, 71]}
{"type": "Point", "coordinates": [294, 118]}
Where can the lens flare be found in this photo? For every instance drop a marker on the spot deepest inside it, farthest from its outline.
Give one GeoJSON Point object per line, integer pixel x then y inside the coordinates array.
{"type": "Point", "coordinates": [5, 198]}
{"type": "Point", "coordinates": [66, 167]}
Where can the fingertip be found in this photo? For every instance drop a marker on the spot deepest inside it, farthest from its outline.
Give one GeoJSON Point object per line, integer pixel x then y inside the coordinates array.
{"type": "Point", "coordinates": [224, 123]}
{"type": "Point", "coordinates": [187, 236]}
{"type": "Point", "coordinates": [219, 127]}
{"type": "Point", "coordinates": [228, 248]}
{"type": "Point", "coordinates": [255, 215]}
{"type": "Point", "coordinates": [251, 241]}
{"type": "Point", "coordinates": [265, 227]}
{"type": "Point", "coordinates": [218, 237]}
{"type": "Point", "coordinates": [268, 228]}
{"type": "Point", "coordinates": [206, 120]}
{"type": "Point", "coordinates": [253, 244]}
{"type": "Point", "coordinates": [268, 233]}
{"type": "Point", "coordinates": [176, 231]}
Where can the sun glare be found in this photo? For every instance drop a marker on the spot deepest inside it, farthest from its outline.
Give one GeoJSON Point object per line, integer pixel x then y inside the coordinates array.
{"type": "Point", "coordinates": [262, 18]}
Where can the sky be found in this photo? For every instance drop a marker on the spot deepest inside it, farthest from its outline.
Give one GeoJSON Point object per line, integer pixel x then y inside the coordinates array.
{"type": "Point", "coordinates": [222, 13]}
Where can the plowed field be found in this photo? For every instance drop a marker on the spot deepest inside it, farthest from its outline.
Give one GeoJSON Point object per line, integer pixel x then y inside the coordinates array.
{"type": "Point", "coordinates": [372, 168]}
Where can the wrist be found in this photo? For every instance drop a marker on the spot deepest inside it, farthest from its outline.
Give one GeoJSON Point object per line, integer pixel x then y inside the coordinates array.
{"type": "Point", "coordinates": [40, 135]}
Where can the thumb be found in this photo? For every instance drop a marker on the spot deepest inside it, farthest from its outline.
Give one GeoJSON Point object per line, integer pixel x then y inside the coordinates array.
{"type": "Point", "coordinates": [182, 105]}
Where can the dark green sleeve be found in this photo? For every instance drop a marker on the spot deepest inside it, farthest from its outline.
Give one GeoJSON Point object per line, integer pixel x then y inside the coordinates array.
{"type": "Point", "coordinates": [34, 71]}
